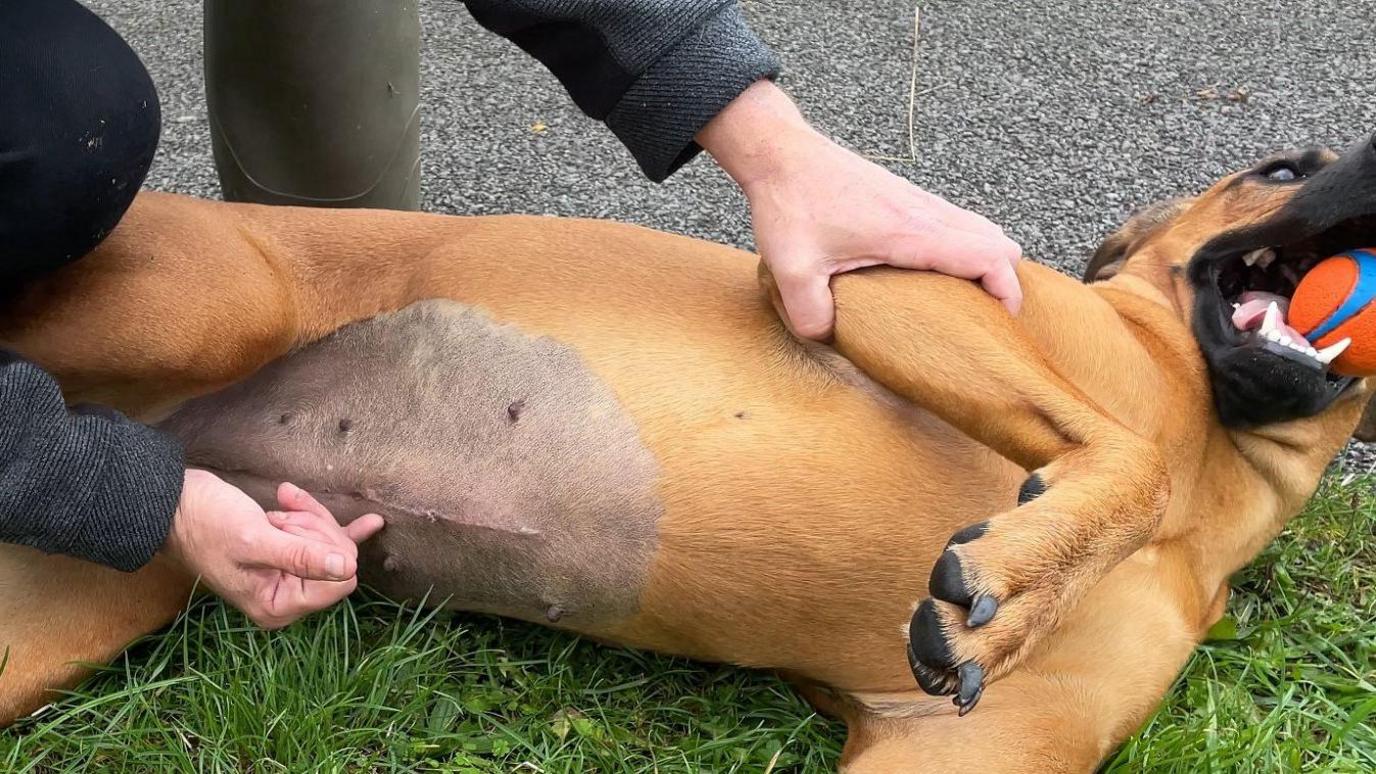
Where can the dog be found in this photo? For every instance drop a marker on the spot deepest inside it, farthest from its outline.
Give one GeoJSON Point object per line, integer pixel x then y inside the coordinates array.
{"type": "Point", "coordinates": [975, 537]}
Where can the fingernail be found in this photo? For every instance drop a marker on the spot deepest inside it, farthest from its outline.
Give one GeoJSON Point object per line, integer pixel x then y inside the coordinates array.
{"type": "Point", "coordinates": [334, 565]}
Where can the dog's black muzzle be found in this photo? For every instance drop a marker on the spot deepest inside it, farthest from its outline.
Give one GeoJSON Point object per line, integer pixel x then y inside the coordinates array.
{"type": "Point", "coordinates": [1255, 383]}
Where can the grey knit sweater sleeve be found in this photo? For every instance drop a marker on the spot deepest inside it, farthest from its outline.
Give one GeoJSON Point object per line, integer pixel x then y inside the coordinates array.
{"type": "Point", "coordinates": [656, 71]}
{"type": "Point", "coordinates": [87, 483]}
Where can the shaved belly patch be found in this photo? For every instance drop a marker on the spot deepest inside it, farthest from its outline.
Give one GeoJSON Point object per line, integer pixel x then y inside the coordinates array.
{"type": "Point", "coordinates": [511, 479]}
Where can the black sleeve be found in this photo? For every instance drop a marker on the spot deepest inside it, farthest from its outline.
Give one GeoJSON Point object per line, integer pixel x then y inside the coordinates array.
{"type": "Point", "coordinates": [86, 483]}
{"type": "Point", "coordinates": [656, 71]}
{"type": "Point", "coordinates": [78, 133]}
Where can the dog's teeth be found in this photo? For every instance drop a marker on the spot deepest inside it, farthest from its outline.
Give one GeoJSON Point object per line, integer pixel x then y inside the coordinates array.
{"type": "Point", "coordinates": [1273, 336]}
{"type": "Point", "coordinates": [1285, 341]}
{"type": "Point", "coordinates": [1272, 321]}
{"type": "Point", "coordinates": [1314, 353]}
{"type": "Point", "coordinates": [1261, 257]}
{"type": "Point", "coordinates": [1236, 305]}
{"type": "Point", "coordinates": [1329, 354]}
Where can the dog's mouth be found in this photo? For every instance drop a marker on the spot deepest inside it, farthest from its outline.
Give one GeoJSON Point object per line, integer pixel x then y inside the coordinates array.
{"type": "Point", "coordinates": [1258, 285]}
{"type": "Point", "coordinates": [1264, 370]}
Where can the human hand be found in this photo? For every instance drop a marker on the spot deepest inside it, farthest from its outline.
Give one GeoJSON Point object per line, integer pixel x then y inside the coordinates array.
{"type": "Point", "coordinates": [819, 210]}
{"type": "Point", "coordinates": [275, 567]}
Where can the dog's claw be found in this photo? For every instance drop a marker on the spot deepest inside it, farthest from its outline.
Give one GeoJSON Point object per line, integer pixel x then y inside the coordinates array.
{"type": "Point", "coordinates": [971, 687]}
{"type": "Point", "coordinates": [962, 709]}
{"type": "Point", "coordinates": [982, 611]}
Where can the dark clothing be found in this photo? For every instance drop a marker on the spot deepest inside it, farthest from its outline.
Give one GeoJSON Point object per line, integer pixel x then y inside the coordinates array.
{"type": "Point", "coordinates": [78, 128]}
{"type": "Point", "coordinates": [656, 71]}
{"type": "Point", "coordinates": [88, 482]}
{"type": "Point", "coordinates": [79, 124]}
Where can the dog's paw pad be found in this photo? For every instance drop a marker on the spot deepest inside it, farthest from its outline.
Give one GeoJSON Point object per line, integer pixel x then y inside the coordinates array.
{"type": "Point", "coordinates": [931, 681]}
{"type": "Point", "coordinates": [950, 582]}
{"type": "Point", "coordinates": [1031, 489]}
{"type": "Point", "coordinates": [933, 660]}
{"type": "Point", "coordinates": [929, 651]}
{"type": "Point", "coordinates": [965, 535]}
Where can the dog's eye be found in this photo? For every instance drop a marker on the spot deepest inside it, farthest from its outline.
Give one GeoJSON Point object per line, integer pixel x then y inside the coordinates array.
{"type": "Point", "coordinates": [1281, 172]}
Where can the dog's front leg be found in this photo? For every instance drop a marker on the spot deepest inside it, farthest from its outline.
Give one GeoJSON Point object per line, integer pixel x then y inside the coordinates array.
{"type": "Point", "coordinates": [1095, 493]}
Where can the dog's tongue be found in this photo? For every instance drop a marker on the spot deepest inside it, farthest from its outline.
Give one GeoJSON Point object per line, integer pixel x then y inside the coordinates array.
{"type": "Point", "coordinates": [1251, 312]}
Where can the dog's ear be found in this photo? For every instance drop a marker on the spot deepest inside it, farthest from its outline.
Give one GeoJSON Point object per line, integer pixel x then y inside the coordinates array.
{"type": "Point", "coordinates": [1116, 248]}
{"type": "Point", "coordinates": [1366, 429]}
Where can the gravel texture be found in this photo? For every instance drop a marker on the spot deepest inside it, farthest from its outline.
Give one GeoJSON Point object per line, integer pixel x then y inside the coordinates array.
{"type": "Point", "coordinates": [1054, 118]}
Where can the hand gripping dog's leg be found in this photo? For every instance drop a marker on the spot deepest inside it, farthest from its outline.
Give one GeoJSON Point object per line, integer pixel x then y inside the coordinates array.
{"type": "Point", "coordinates": [1095, 494]}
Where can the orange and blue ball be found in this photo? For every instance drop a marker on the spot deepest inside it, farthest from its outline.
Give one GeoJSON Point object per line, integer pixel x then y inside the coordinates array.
{"type": "Point", "coordinates": [1334, 301]}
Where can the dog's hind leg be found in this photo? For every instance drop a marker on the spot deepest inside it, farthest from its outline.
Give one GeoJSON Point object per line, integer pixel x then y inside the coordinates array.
{"type": "Point", "coordinates": [1005, 583]}
{"type": "Point", "coordinates": [1091, 686]}
{"type": "Point", "coordinates": [1027, 724]}
{"type": "Point", "coordinates": [58, 614]}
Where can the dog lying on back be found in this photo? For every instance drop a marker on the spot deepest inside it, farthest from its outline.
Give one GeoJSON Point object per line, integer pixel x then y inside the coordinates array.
{"type": "Point", "coordinates": [981, 540]}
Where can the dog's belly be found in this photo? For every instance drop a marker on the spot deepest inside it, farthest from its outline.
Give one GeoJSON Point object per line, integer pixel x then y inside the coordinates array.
{"type": "Point", "coordinates": [511, 479]}
{"type": "Point", "coordinates": [710, 495]}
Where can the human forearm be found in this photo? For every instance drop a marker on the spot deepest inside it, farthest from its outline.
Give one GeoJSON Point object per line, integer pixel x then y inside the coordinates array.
{"type": "Point", "coordinates": [93, 485]}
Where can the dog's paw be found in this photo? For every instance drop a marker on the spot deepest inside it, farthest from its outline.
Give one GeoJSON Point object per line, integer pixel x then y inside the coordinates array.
{"type": "Point", "coordinates": [995, 590]}
{"type": "Point", "coordinates": [1032, 488]}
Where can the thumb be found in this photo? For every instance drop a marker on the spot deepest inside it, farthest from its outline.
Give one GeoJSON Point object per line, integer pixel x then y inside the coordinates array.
{"type": "Point", "coordinates": [807, 302]}
{"type": "Point", "coordinates": [304, 557]}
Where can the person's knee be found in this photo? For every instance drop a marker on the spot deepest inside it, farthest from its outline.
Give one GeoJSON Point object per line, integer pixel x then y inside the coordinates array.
{"type": "Point", "coordinates": [79, 136]}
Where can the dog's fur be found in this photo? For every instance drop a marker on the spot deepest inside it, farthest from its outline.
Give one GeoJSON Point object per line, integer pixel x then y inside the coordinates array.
{"type": "Point", "coordinates": [753, 499]}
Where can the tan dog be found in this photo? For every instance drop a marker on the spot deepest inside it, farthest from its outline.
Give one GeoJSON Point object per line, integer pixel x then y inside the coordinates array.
{"type": "Point", "coordinates": [607, 429]}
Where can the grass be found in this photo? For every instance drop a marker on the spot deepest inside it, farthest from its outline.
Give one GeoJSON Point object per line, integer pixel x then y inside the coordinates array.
{"type": "Point", "coordinates": [1288, 684]}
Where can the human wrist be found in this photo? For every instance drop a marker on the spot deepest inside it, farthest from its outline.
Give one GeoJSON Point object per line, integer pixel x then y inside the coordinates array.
{"type": "Point", "coordinates": [174, 547]}
{"type": "Point", "coordinates": [758, 135]}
